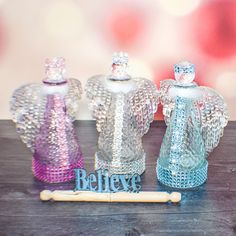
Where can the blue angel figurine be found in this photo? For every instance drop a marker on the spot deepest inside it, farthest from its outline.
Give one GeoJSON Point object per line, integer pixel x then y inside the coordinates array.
{"type": "Point", "coordinates": [195, 118]}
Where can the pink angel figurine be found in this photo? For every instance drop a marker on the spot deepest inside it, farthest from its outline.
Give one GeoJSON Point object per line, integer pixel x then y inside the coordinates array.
{"type": "Point", "coordinates": [43, 114]}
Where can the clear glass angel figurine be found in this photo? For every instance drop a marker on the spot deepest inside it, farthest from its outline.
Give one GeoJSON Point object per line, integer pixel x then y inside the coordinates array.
{"type": "Point", "coordinates": [195, 118]}
{"type": "Point", "coordinates": [43, 114]}
{"type": "Point", "coordinates": [123, 107]}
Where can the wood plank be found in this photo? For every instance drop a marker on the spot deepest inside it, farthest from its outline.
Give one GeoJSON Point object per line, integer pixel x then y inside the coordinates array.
{"type": "Point", "coordinates": [207, 210]}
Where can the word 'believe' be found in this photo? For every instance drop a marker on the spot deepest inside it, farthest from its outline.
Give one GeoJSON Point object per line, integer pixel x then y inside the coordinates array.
{"type": "Point", "coordinates": [101, 182]}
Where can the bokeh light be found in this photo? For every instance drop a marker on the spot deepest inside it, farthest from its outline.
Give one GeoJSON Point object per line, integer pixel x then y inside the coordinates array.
{"type": "Point", "coordinates": [226, 84]}
{"type": "Point", "coordinates": [179, 8]}
{"type": "Point", "coordinates": [63, 20]}
{"type": "Point", "coordinates": [3, 37]}
{"type": "Point", "coordinates": [162, 72]}
{"type": "Point", "coordinates": [125, 26]}
{"type": "Point", "coordinates": [155, 34]}
{"type": "Point", "coordinates": [213, 28]}
{"type": "Point", "coordinates": [139, 68]}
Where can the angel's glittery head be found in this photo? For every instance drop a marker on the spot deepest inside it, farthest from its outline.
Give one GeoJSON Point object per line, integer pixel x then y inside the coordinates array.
{"type": "Point", "coordinates": [184, 72]}
{"type": "Point", "coordinates": [119, 66]}
{"type": "Point", "coordinates": [120, 58]}
{"type": "Point", "coordinates": [55, 71]}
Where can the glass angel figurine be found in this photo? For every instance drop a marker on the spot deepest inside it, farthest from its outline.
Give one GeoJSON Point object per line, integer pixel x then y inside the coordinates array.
{"type": "Point", "coordinates": [123, 107]}
{"type": "Point", "coordinates": [195, 118]}
{"type": "Point", "coordinates": [43, 114]}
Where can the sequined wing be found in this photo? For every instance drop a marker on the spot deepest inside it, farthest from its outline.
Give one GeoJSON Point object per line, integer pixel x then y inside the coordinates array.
{"type": "Point", "coordinates": [144, 102]}
{"type": "Point", "coordinates": [166, 100]}
{"type": "Point", "coordinates": [99, 100]}
{"type": "Point", "coordinates": [73, 96]}
{"type": "Point", "coordinates": [214, 117]}
{"type": "Point", "coordinates": [211, 112]}
{"type": "Point", "coordinates": [27, 107]}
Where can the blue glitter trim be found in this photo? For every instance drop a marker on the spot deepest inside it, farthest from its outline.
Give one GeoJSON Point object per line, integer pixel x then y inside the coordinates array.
{"type": "Point", "coordinates": [182, 179]}
{"type": "Point", "coordinates": [184, 68]}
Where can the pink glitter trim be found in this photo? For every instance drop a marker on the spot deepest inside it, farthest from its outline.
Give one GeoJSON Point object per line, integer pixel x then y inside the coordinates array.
{"type": "Point", "coordinates": [55, 62]}
{"type": "Point", "coordinates": [55, 70]}
{"type": "Point", "coordinates": [55, 174]}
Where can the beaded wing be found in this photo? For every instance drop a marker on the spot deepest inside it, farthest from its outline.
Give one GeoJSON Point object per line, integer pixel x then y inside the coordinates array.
{"type": "Point", "coordinates": [144, 102]}
{"type": "Point", "coordinates": [28, 104]}
{"type": "Point", "coordinates": [99, 100]}
{"type": "Point", "coordinates": [211, 109]}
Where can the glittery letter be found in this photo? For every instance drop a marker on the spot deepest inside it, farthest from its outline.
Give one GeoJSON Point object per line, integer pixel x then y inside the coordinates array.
{"type": "Point", "coordinates": [81, 182]}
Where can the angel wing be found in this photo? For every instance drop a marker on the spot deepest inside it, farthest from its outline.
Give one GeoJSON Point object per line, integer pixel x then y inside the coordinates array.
{"type": "Point", "coordinates": [144, 102]}
{"type": "Point", "coordinates": [214, 117]}
{"type": "Point", "coordinates": [99, 100]}
{"type": "Point", "coordinates": [27, 107]}
{"type": "Point", "coordinates": [73, 96]}
{"type": "Point", "coordinates": [28, 104]}
{"type": "Point", "coordinates": [166, 101]}
{"type": "Point", "coordinates": [212, 112]}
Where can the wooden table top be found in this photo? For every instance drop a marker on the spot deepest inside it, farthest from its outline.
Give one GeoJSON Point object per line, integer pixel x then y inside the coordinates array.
{"type": "Point", "coordinates": [206, 210]}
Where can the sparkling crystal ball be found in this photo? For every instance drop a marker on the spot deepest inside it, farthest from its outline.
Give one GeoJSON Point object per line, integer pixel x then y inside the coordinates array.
{"type": "Point", "coordinates": [184, 72]}
{"type": "Point", "coordinates": [120, 58]}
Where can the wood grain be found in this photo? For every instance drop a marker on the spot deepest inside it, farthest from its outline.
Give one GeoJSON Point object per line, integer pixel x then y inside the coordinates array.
{"type": "Point", "coordinates": [206, 210]}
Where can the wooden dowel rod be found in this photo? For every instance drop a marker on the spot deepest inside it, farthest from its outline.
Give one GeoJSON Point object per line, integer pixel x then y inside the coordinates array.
{"type": "Point", "coordinates": [88, 196]}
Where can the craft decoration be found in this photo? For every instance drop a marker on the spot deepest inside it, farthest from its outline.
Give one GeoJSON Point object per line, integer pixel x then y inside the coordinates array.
{"type": "Point", "coordinates": [43, 114]}
{"type": "Point", "coordinates": [102, 182]}
{"type": "Point", "coordinates": [88, 196]}
{"type": "Point", "coordinates": [195, 118]}
{"type": "Point", "coordinates": [123, 108]}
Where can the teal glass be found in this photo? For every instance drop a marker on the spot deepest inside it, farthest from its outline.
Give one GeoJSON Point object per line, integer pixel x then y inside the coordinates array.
{"type": "Point", "coordinates": [182, 162]}
{"type": "Point", "coordinates": [195, 117]}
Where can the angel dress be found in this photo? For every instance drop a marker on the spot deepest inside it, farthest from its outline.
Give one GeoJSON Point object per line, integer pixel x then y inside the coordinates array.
{"type": "Point", "coordinates": [43, 114]}
{"type": "Point", "coordinates": [123, 107]}
{"type": "Point", "coordinates": [195, 118]}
